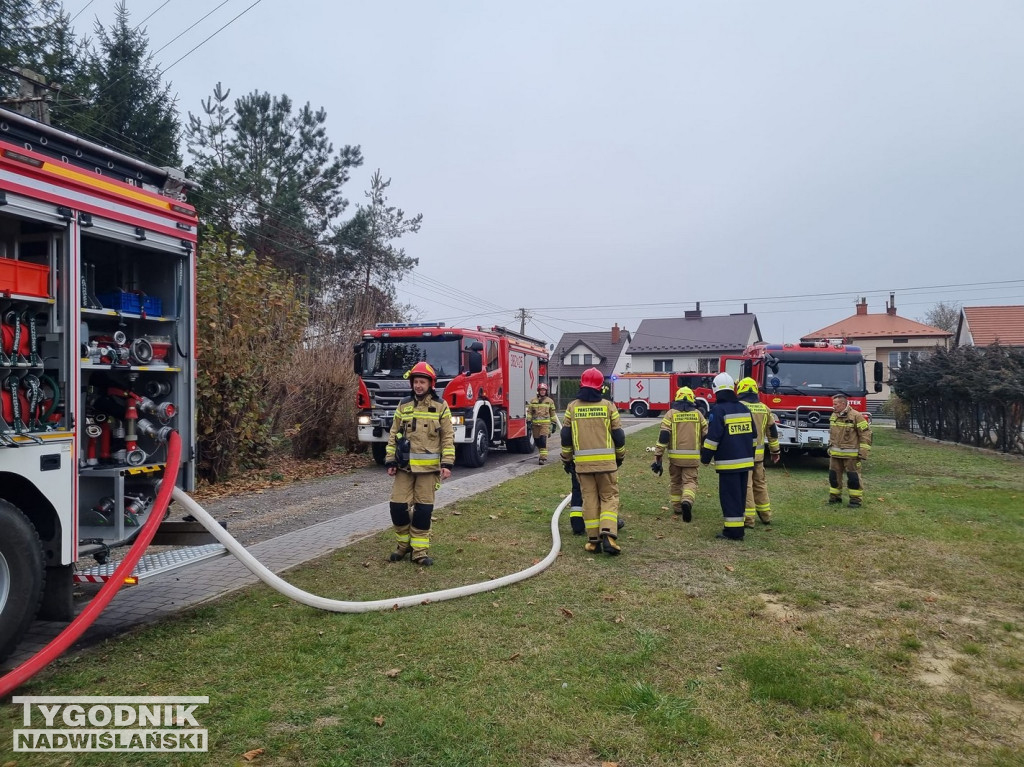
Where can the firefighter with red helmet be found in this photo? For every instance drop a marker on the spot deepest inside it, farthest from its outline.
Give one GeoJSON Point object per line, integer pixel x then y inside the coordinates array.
{"type": "Point", "coordinates": [594, 444]}
{"type": "Point", "coordinates": [420, 453]}
{"type": "Point", "coordinates": [758, 502]}
{"type": "Point", "coordinates": [849, 443]}
{"type": "Point", "coordinates": [730, 442]}
{"type": "Point", "coordinates": [682, 431]}
{"type": "Point", "coordinates": [541, 413]}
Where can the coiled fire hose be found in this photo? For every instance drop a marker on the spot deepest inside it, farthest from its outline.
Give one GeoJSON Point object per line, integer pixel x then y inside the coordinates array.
{"type": "Point", "coordinates": [341, 606]}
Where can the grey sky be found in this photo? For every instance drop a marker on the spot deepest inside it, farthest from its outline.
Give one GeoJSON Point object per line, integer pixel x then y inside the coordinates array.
{"type": "Point", "coordinates": [791, 155]}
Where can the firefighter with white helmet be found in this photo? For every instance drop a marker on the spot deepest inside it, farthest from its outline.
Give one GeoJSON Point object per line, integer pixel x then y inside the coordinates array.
{"type": "Point", "coordinates": [849, 443]}
{"type": "Point", "coordinates": [541, 413]}
{"type": "Point", "coordinates": [682, 431]}
{"type": "Point", "coordinates": [594, 443]}
{"type": "Point", "coordinates": [758, 502]}
{"type": "Point", "coordinates": [730, 442]}
{"type": "Point", "coordinates": [420, 453]}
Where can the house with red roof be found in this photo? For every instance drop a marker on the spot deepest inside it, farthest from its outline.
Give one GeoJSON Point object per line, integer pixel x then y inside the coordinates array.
{"type": "Point", "coordinates": [887, 337]}
{"type": "Point", "coordinates": [987, 325]}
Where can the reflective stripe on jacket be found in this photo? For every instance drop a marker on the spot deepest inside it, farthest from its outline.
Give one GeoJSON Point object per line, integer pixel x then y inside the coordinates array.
{"type": "Point", "coordinates": [849, 435]}
{"type": "Point", "coordinates": [541, 410]}
{"type": "Point", "coordinates": [592, 447]}
{"type": "Point", "coordinates": [427, 423]}
{"type": "Point", "coordinates": [731, 435]}
{"type": "Point", "coordinates": [680, 436]}
{"type": "Point", "coordinates": [764, 422]}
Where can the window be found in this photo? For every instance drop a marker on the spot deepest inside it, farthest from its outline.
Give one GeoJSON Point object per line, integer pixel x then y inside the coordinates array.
{"type": "Point", "coordinates": [662, 366]}
{"type": "Point", "coordinates": [574, 359]}
{"type": "Point", "coordinates": [492, 356]}
{"type": "Point", "coordinates": [707, 365]}
{"type": "Point", "coordinates": [588, 359]}
{"type": "Point", "coordinates": [898, 360]}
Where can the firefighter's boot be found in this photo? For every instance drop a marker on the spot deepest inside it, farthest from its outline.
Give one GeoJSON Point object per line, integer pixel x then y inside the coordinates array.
{"type": "Point", "coordinates": [592, 546]}
{"type": "Point", "coordinates": [609, 545]}
{"type": "Point", "coordinates": [677, 507]}
{"type": "Point", "coordinates": [687, 511]}
{"type": "Point", "coordinates": [400, 520]}
{"type": "Point", "coordinates": [620, 523]}
{"type": "Point", "coordinates": [748, 520]}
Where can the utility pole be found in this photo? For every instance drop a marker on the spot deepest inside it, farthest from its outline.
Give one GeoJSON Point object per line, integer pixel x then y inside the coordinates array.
{"type": "Point", "coordinates": [523, 316]}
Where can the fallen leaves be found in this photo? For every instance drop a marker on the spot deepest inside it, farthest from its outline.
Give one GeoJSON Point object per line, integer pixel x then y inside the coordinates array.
{"type": "Point", "coordinates": [250, 755]}
{"type": "Point", "coordinates": [391, 673]}
{"type": "Point", "coordinates": [619, 619]}
{"type": "Point", "coordinates": [379, 721]}
{"type": "Point", "coordinates": [567, 612]}
{"type": "Point", "coordinates": [730, 568]}
{"type": "Point", "coordinates": [514, 656]}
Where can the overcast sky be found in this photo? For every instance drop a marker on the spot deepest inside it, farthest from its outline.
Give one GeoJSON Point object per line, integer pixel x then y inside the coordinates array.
{"type": "Point", "coordinates": [598, 162]}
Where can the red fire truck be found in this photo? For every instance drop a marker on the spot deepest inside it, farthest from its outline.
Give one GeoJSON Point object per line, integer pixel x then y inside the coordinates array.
{"type": "Point", "coordinates": [487, 377]}
{"type": "Point", "coordinates": [97, 367]}
{"type": "Point", "coordinates": [797, 382]}
{"type": "Point", "coordinates": [644, 394]}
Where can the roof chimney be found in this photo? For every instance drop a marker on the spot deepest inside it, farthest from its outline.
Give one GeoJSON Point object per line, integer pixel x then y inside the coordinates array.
{"type": "Point", "coordinates": [890, 308]}
{"type": "Point", "coordinates": [615, 334]}
{"type": "Point", "coordinates": [745, 309]}
{"type": "Point", "coordinates": [692, 314]}
{"type": "Point", "coordinates": [862, 307]}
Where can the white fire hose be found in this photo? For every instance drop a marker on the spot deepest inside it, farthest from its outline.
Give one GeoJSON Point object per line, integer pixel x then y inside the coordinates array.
{"type": "Point", "coordinates": [340, 606]}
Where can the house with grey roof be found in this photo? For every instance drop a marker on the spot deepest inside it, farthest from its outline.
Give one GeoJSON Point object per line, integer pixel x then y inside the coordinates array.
{"type": "Point", "coordinates": [692, 342]}
{"type": "Point", "coordinates": [575, 352]}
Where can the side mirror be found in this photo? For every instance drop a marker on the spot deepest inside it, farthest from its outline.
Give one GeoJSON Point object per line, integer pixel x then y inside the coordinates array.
{"type": "Point", "coordinates": [475, 361]}
{"type": "Point", "coordinates": [878, 386]}
{"type": "Point", "coordinates": [357, 359]}
{"type": "Point", "coordinates": [878, 373]}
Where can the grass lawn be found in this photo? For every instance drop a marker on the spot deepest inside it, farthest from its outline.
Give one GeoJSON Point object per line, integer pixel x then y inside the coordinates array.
{"type": "Point", "coordinates": [888, 635]}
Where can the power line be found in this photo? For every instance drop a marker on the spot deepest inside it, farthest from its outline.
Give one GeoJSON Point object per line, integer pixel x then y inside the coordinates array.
{"type": "Point", "coordinates": [165, 2]}
{"type": "Point", "coordinates": [82, 10]}
{"type": "Point", "coordinates": [204, 42]}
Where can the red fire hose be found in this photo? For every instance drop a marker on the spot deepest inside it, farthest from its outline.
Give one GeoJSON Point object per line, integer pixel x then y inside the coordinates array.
{"type": "Point", "coordinates": [18, 676]}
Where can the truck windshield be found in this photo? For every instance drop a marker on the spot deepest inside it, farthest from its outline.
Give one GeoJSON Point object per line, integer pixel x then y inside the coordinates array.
{"type": "Point", "coordinates": [817, 378]}
{"type": "Point", "coordinates": [392, 358]}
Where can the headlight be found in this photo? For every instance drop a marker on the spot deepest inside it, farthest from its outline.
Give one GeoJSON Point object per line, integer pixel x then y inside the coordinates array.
{"type": "Point", "coordinates": [458, 420]}
{"type": "Point", "coordinates": [364, 420]}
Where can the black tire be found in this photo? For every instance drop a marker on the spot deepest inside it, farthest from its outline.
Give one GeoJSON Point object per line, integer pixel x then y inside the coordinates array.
{"type": "Point", "coordinates": [523, 445]}
{"type": "Point", "coordinates": [638, 409]}
{"type": "Point", "coordinates": [21, 576]}
{"type": "Point", "coordinates": [378, 449]}
{"type": "Point", "coordinates": [474, 454]}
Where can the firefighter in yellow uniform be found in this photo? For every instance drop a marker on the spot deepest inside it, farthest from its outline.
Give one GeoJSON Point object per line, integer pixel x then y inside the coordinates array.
{"type": "Point", "coordinates": [682, 432]}
{"type": "Point", "coordinates": [764, 423]}
{"type": "Point", "coordinates": [420, 453]}
{"type": "Point", "coordinates": [849, 443]}
{"type": "Point", "coordinates": [541, 413]}
{"type": "Point", "coordinates": [594, 443]}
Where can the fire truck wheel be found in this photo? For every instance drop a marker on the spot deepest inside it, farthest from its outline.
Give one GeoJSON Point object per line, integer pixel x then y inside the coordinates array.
{"type": "Point", "coordinates": [21, 576]}
{"type": "Point", "coordinates": [474, 455]}
{"type": "Point", "coordinates": [378, 449]}
{"type": "Point", "coordinates": [638, 409]}
{"type": "Point", "coordinates": [521, 444]}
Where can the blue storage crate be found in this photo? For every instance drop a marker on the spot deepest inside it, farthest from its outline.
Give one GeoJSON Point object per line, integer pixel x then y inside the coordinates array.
{"type": "Point", "coordinates": [121, 301]}
{"type": "Point", "coordinates": [153, 306]}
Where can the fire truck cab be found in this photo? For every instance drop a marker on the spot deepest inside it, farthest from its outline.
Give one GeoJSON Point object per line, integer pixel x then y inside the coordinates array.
{"type": "Point", "coordinates": [487, 377]}
{"type": "Point", "coordinates": [797, 382]}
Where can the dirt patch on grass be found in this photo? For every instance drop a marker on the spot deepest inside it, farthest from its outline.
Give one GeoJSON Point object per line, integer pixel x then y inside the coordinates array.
{"type": "Point", "coordinates": [936, 667]}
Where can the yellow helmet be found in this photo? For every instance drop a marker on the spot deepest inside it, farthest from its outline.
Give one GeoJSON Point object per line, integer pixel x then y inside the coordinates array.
{"type": "Point", "coordinates": [686, 393]}
{"type": "Point", "coordinates": [746, 385]}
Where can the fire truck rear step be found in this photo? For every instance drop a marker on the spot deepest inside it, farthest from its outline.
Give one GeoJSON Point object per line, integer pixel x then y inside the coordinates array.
{"type": "Point", "coordinates": [152, 564]}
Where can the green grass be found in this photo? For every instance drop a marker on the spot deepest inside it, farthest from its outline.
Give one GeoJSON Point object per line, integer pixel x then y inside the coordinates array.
{"type": "Point", "coordinates": [888, 635]}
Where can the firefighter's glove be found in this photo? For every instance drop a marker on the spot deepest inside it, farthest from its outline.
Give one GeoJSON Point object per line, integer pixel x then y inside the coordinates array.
{"type": "Point", "coordinates": [656, 468]}
{"type": "Point", "coordinates": [552, 429]}
{"type": "Point", "coordinates": [567, 466]}
{"type": "Point", "coordinates": [618, 460]}
{"type": "Point", "coordinates": [391, 464]}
